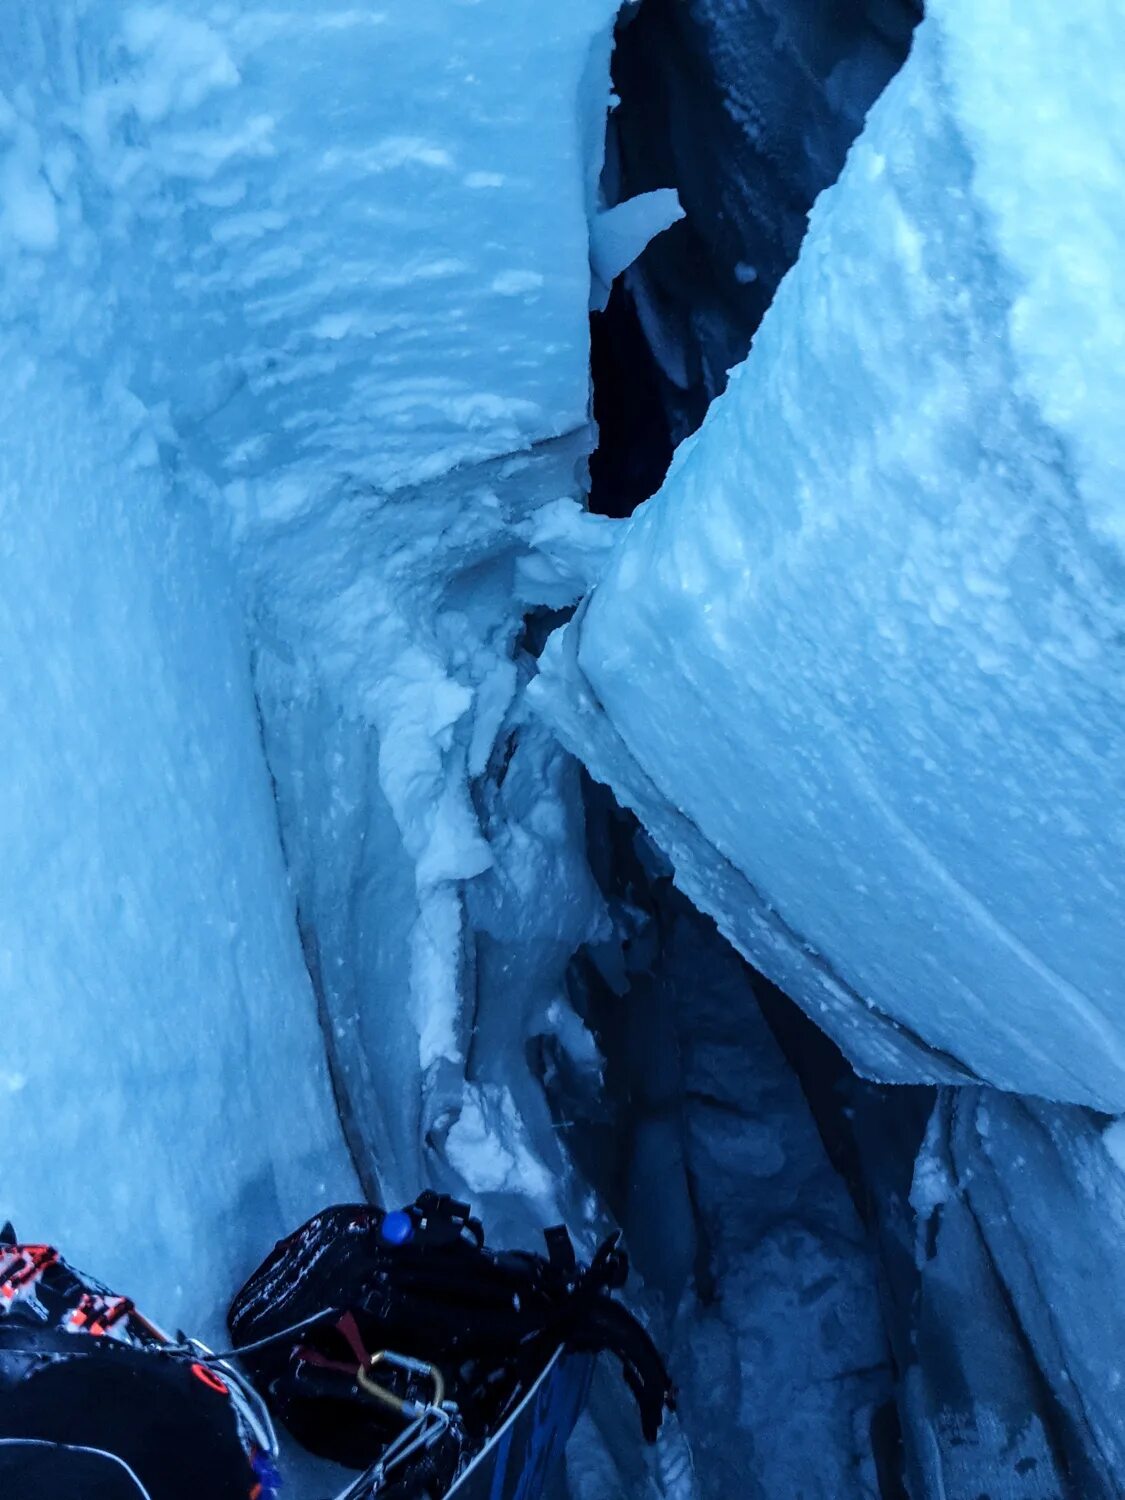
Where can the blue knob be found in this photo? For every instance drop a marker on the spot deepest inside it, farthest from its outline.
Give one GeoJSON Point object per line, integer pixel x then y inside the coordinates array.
{"type": "Point", "coordinates": [397, 1227]}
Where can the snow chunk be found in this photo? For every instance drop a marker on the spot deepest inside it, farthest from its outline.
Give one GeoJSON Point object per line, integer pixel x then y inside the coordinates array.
{"type": "Point", "coordinates": [28, 210]}
{"type": "Point", "coordinates": [619, 234]}
{"type": "Point", "coordinates": [1113, 1138]}
{"type": "Point", "coordinates": [183, 62]}
{"type": "Point", "coordinates": [487, 1144]}
{"type": "Point", "coordinates": [569, 550]}
{"type": "Point", "coordinates": [516, 283]}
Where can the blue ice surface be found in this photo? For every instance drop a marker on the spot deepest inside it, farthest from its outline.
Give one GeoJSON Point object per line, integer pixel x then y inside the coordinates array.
{"type": "Point", "coordinates": [294, 304]}
{"type": "Point", "coordinates": [857, 665]}
{"type": "Point", "coordinates": [163, 1086]}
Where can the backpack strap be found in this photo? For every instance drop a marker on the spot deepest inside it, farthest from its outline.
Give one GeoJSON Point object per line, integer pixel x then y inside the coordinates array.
{"type": "Point", "coordinates": [560, 1250]}
{"type": "Point", "coordinates": [609, 1268]}
{"type": "Point", "coordinates": [594, 1321]}
{"type": "Point", "coordinates": [348, 1329]}
{"type": "Point", "coordinates": [602, 1323]}
{"type": "Point", "coordinates": [441, 1219]}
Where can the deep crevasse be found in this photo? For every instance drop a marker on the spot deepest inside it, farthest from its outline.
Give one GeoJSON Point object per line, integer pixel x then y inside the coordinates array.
{"type": "Point", "coordinates": [294, 316]}
{"type": "Point", "coordinates": [270, 275]}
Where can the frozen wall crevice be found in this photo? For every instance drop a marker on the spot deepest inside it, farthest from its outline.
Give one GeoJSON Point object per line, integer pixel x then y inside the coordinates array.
{"type": "Point", "coordinates": [756, 1268]}
{"type": "Point", "coordinates": [432, 615]}
{"type": "Point", "coordinates": [748, 111]}
{"type": "Point", "coordinates": [327, 272]}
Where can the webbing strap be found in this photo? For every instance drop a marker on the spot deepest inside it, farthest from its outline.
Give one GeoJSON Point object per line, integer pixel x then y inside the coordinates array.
{"type": "Point", "coordinates": [560, 1249]}
{"type": "Point", "coordinates": [605, 1324]}
{"type": "Point", "coordinates": [610, 1266]}
{"type": "Point", "coordinates": [347, 1326]}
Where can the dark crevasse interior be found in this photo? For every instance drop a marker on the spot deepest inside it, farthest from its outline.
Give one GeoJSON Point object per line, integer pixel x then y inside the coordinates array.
{"type": "Point", "coordinates": [809, 1275]}
{"type": "Point", "coordinates": [865, 1290]}
{"type": "Point", "coordinates": [763, 1189]}
{"type": "Point", "coordinates": [747, 108]}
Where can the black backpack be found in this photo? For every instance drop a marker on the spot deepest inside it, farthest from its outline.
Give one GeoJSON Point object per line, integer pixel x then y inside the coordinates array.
{"type": "Point", "coordinates": [316, 1321]}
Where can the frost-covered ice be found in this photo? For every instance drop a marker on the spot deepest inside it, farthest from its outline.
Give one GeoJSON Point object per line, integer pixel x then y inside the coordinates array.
{"type": "Point", "coordinates": [293, 317]}
{"type": "Point", "coordinates": [857, 665]}
{"type": "Point", "coordinates": [1021, 1212]}
{"type": "Point", "coordinates": [163, 1086]}
{"type": "Point", "coordinates": [269, 277]}
{"type": "Point", "coordinates": [361, 233]}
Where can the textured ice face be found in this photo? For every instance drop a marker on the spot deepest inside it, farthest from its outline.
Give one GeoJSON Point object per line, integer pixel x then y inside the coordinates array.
{"type": "Point", "coordinates": [163, 1083]}
{"type": "Point", "coordinates": [856, 664]}
{"type": "Point", "coordinates": [260, 267]}
{"type": "Point", "coordinates": [351, 236]}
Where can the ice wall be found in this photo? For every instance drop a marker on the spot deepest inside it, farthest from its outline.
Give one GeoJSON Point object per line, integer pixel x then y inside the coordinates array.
{"type": "Point", "coordinates": [157, 1008]}
{"type": "Point", "coordinates": [1020, 1212]}
{"type": "Point", "coordinates": [330, 235]}
{"type": "Point", "coordinates": [855, 665]}
{"type": "Point", "coordinates": [326, 269]}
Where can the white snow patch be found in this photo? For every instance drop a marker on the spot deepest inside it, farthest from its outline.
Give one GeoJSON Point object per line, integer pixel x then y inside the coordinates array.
{"type": "Point", "coordinates": [515, 283]}
{"type": "Point", "coordinates": [1113, 1139]}
{"type": "Point", "coordinates": [619, 234]}
{"type": "Point", "coordinates": [487, 1144]}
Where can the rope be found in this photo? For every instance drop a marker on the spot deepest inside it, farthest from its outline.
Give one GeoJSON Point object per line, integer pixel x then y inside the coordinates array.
{"type": "Point", "coordinates": [409, 1441]}
{"type": "Point", "coordinates": [10, 1442]}
{"type": "Point", "coordinates": [272, 1338]}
